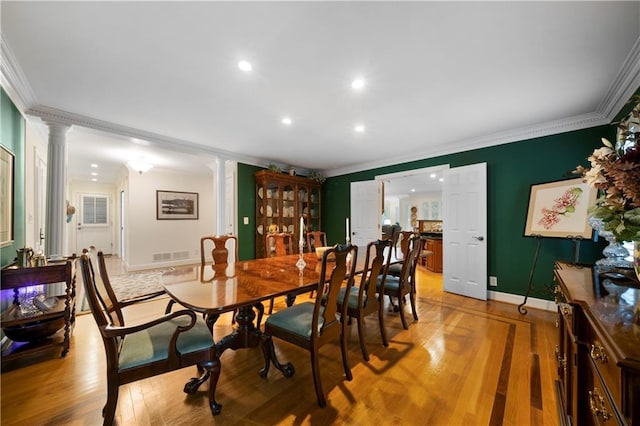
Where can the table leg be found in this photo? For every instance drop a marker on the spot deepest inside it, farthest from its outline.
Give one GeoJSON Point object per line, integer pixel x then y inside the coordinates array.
{"type": "Point", "coordinates": [245, 335]}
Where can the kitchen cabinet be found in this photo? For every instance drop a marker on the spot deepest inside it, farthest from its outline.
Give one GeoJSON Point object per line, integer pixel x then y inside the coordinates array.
{"type": "Point", "coordinates": [434, 260]}
{"type": "Point", "coordinates": [280, 202]}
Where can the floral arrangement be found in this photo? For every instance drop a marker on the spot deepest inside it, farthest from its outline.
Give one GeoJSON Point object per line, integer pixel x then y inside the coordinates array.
{"type": "Point", "coordinates": [316, 176]}
{"type": "Point", "coordinates": [615, 172]}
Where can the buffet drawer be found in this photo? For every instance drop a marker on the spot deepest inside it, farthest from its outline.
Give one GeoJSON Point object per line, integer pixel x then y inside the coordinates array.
{"type": "Point", "coordinates": [601, 409]}
{"type": "Point", "coordinates": [603, 361]}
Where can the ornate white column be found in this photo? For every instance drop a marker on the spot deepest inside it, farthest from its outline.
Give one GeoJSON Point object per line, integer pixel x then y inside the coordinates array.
{"type": "Point", "coordinates": [56, 188]}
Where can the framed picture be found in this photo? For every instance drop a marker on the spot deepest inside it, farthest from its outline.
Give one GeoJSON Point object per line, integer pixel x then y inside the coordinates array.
{"type": "Point", "coordinates": [7, 165]}
{"type": "Point", "coordinates": [174, 205]}
{"type": "Point", "coordinates": [560, 209]}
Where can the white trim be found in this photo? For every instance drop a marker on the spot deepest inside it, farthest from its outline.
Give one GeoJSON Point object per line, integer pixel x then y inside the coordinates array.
{"type": "Point", "coordinates": [515, 299]}
{"type": "Point", "coordinates": [13, 79]}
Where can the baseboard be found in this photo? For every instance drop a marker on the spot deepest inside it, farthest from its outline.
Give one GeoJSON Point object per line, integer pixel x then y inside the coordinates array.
{"type": "Point", "coordinates": [515, 299]}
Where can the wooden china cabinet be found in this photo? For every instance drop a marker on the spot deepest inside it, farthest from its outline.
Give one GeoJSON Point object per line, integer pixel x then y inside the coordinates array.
{"type": "Point", "coordinates": [280, 202]}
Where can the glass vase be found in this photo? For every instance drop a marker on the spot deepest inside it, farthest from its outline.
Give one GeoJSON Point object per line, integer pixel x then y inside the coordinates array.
{"type": "Point", "coordinates": [615, 253]}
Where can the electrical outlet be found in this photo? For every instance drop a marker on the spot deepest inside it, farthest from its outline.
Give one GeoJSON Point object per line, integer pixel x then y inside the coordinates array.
{"type": "Point", "coordinates": [493, 281]}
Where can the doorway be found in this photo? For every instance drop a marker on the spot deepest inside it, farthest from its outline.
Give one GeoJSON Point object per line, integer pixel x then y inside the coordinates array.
{"type": "Point", "coordinates": [463, 212]}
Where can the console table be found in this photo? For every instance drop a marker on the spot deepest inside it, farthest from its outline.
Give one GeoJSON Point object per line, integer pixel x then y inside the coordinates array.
{"type": "Point", "coordinates": [598, 350]}
{"type": "Point", "coordinates": [58, 321]}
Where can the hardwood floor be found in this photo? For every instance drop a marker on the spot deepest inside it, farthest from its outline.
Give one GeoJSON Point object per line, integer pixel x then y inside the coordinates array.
{"type": "Point", "coordinates": [465, 362]}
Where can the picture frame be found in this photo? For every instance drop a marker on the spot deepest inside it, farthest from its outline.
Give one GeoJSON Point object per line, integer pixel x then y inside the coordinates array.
{"type": "Point", "coordinates": [560, 209]}
{"type": "Point", "coordinates": [176, 205]}
{"type": "Point", "coordinates": [7, 194]}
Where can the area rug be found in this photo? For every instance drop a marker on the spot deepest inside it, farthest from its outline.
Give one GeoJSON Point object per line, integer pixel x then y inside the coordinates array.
{"type": "Point", "coordinates": [137, 283]}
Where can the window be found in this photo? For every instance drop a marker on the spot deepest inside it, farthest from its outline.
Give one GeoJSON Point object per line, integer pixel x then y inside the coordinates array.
{"type": "Point", "coordinates": [95, 210]}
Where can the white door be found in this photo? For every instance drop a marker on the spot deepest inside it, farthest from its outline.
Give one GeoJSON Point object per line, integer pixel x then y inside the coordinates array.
{"type": "Point", "coordinates": [366, 206]}
{"type": "Point", "coordinates": [94, 224]}
{"type": "Point", "coordinates": [40, 201]}
{"type": "Point", "coordinates": [464, 198]}
{"type": "Point", "coordinates": [230, 203]}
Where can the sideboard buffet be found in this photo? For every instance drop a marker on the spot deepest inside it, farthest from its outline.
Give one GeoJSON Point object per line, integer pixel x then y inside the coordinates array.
{"type": "Point", "coordinates": [598, 350]}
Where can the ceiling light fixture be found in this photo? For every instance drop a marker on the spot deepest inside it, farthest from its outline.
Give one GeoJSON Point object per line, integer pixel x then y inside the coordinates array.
{"type": "Point", "coordinates": [95, 166]}
{"type": "Point", "coordinates": [140, 166]}
{"type": "Point", "coordinates": [245, 66]}
{"type": "Point", "coordinates": [287, 121]}
{"type": "Point", "coordinates": [359, 128]}
{"type": "Point", "coordinates": [358, 83]}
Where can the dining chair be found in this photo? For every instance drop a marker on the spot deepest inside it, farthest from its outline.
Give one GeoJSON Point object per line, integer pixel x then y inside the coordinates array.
{"type": "Point", "coordinates": [404, 284]}
{"type": "Point", "coordinates": [222, 249]}
{"type": "Point", "coordinates": [402, 238]}
{"type": "Point", "coordinates": [168, 342]}
{"type": "Point", "coordinates": [279, 244]}
{"type": "Point", "coordinates": [310, 325]}
{"type": "Point", "coordinates": [316, 239]}
{"type": "Point", "coordinates": [363, 299]}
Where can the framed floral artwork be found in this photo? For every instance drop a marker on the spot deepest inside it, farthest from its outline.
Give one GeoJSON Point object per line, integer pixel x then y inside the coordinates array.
{"type": "Point", "coordinates": [560, 209]}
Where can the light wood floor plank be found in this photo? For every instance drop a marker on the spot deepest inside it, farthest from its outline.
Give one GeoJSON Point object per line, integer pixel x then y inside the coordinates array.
{"type": "Point", "coordinates": [465, 362]}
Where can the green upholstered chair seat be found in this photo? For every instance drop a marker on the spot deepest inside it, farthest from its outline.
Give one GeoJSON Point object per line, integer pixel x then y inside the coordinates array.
{"type": "Point", "coordinates": [394, 269]}
{"type": "Point", "coordinates": [390, 283]}
{"type": "Point", "coordinates": [295, 319]}
{"type": "Point", "coordinates": [353, 297]}
{"type": "Point", "coordinates": [152, 344]}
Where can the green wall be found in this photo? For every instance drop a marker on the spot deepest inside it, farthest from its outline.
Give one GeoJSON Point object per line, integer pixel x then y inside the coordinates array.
{"type": "Point", "coordinates": [246, 208]}
{"type": "Point", "coordinates": [511, 170]}
{"type": "Point", "coordinates": [12, 137]}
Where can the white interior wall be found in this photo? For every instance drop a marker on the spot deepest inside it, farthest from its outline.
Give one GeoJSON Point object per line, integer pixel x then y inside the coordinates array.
{"type": "Point", "coordinates": [418, 201]}
{"type": "Point", "coordinates": [148, 236]}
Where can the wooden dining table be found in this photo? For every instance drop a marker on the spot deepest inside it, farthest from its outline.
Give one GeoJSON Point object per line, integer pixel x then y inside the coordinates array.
{"type": "Point", "coordinates": [242, 287]}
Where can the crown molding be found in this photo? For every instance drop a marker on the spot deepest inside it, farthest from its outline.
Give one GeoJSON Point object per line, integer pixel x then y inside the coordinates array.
{"type": "Point", "coordinates": [514, 135]}
{"type": "Point", "coordinates": [623, 86]}
{"type": "Point", "coordinates": [53, 115]}
{"type": "Point", "coordinates": [13, 79]}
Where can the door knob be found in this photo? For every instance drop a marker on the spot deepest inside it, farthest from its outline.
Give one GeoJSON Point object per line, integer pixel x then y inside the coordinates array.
{"type": "Point", "coordinates": [480, 238]}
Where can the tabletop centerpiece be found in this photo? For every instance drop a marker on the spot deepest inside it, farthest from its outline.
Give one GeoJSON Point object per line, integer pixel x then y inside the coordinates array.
{"type": "Point", "coordinates": [615, 172]}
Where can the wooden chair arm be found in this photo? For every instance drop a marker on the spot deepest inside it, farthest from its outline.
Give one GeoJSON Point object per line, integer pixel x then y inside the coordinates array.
{"type": "Point", "coordinates": [117, 331]}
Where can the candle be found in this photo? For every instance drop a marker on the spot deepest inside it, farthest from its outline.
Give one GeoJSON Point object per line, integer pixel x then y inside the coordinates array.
{"type": "Point", "coordinates": [301, 230]}
{"type": "Point", "coordinates": [348, 234]}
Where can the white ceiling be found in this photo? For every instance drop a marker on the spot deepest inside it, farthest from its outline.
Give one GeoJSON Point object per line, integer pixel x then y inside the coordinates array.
{"type": "Point", "coordinates": [441, 77]}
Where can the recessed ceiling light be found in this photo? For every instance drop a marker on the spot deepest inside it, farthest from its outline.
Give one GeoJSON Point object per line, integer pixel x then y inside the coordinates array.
{"type": "Point", "coordinates": [358, 83]}
{"type": "Point", "coordinates": [94, 180]}
{"type": "Point", "coordinates": [432, 175]}
{"type": "Point", "coordinates": [413, 190]}
{"type": "Point", "coordinates": [95, 166]}
{"type": "Point", "coordinates": [245, 66]}
{"type": "Point", "coordinates": [441, 180]}
{"type": "Point", "coordinates": [94, 174]}
{"type": "Point", "coordinates": [286, 121]}
{"type": "Point", "coordinates": [359, 128]}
